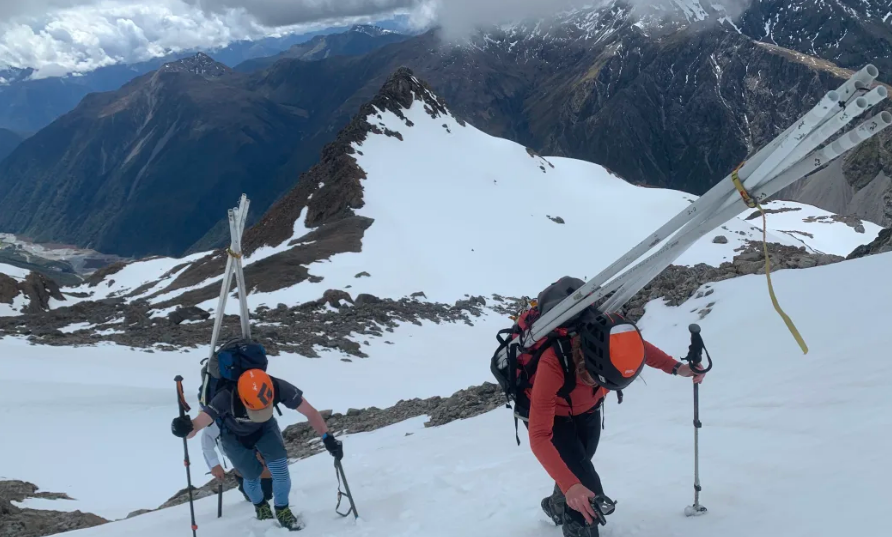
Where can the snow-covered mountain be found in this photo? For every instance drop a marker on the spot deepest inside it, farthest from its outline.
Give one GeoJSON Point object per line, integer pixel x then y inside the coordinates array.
{"type": "Point", "coordinates": [409, 199]}
{"type": "Point", "coordinates": [427, 200]}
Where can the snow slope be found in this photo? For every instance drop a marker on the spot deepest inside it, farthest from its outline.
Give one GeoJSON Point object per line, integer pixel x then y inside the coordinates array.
{"type": "Point", "coordinates": [449, 199]}
{"type": "Point", "coordinates": [791, 445]}
{"type": "Point", "coordinates": [125, 397]}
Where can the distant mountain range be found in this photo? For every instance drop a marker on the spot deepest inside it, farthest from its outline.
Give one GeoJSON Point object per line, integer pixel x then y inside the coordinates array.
{"type": "Point", "coordinates": [674, 95]}
{"type": "Point", "coordinates": [360, 39]}
{"type": "Point", "coordinates": [28, 105]}
{"type": "Point", "coordinates": [8, 141]}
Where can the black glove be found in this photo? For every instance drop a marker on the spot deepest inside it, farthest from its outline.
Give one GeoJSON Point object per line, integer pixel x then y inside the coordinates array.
{"type": "Point", "coordinates": [181, 426]}
{"type": "Point", "coordinates": [334, 446]}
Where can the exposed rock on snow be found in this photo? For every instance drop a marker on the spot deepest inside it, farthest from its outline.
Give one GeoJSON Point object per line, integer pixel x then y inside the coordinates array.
{"type": "Point", "coordinates": [36, 287]}
{"type": "Point", "coordinates": [720, 239]}
{"type": "Point", "coordinates": [301, 329]}
{"type": "Point", "coordinates": [676, 284]}
{"type": "Point", "coordinates": [24, 522]}
{"type": "Point", "coordinates": [882, 244]}
{"type": "Point", "coordinates": [191, 313]}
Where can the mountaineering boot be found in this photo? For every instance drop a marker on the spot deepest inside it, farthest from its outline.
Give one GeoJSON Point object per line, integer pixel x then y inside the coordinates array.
{"type": "Point", "coordinates": [263, 511]}
{"type": "Point", "coordinates": [288, 520]}
{"type": "Point", "coordinates": [575, 528]}
{"type": "Point", "coordinates": [554, 506]}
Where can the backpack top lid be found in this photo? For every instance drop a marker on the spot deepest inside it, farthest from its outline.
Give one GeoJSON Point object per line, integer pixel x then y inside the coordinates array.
{"type": "Point", "coordinates": [235, 357]}
{"type": "Point", "coordinates": [552, 295]}
{"type": "Point", "coordinates": [612, 345]}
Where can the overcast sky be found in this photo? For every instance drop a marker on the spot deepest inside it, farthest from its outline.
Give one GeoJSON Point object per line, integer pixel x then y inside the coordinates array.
{"type": "Point", "coordinates": [62, 36]}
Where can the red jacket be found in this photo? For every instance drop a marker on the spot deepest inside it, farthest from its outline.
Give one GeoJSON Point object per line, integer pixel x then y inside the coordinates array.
{"type": "Point", "coordinates": [545, 404]}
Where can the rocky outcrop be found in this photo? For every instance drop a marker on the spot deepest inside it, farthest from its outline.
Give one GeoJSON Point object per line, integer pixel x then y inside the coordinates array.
{"type": "Point", "coordinates": [880, 245]}
{"type": "Point", "coordinates": [39, 289]}
{"type": "Point", "coordinates": [190, 313]}
{"type": "Point", "coordinates": [9, 289]}
{"type": "Point", "coordinates": [22, 522]}
{"type": "Point", "coordinates": [303, 329]}
{"type": "Point", "coordinates": [677, 284]}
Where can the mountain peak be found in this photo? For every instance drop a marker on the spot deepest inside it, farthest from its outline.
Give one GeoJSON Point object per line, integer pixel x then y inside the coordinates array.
{"type": "Point", "coordinates": [369, 29]}
{"type": "Point", "coordinates": [331, 189]}
{"type": "Point", "coordinates": [200, 64]}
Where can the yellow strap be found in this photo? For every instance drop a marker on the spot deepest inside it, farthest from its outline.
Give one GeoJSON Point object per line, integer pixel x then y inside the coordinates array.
{"type": "Point", "coordinates": [750, 202]}
{"type": "Point", "coordinates": [789, 322]}
{"type": "Point", "coordinates": [233, 254]}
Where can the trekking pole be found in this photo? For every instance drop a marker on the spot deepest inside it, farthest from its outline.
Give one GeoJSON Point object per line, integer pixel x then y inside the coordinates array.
{"type": "Point", "coordinates": [339, 472]}
{"type": "Point", "coordinates": [184, 407]}
{"type": "Point", "coordinates": [220, 500]}
{"type": "Point", "coordinates": [694, 358]}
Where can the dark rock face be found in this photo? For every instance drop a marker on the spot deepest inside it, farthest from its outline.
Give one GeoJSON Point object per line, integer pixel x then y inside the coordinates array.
{"type": "Point", "coordinates": [191, 313]}
{"type": "Point", "coordinates": [18, 522]}
{"type": "Point", "coordinates": [39, 289]}
{"type": "Point", "coordinates": [880, 245]}
{"type": "Point", "coordinates": [9, 289]}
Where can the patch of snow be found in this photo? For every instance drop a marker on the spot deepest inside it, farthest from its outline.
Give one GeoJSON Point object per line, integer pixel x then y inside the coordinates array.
{"type": "Point", "coordinates": [13, 272]}
{"type": "Point", "coordinates": [44, 504]}
{"type": "Point", "coordinates": [109, 332]}
{"type": "Point", "coordinates": [887, 16]}
{"type": "Point", "coordinates": [731, 22]}
{"type": "Point", "coordinates": [71, 328]}
{"type": "Point", "coordinates": [14, 309]}
{"type": "Point", "coordinates": [133, 276]}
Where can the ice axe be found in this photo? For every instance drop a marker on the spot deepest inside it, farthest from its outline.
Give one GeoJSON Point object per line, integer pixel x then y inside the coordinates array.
{"type": "Point", "coordinates": [694, 359]}
{"type": "Point", "coordinates": [339, 472]}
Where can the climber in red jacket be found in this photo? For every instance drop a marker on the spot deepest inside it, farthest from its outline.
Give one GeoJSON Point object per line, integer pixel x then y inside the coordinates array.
{"type": "Point", "coordinates": [564, 439]}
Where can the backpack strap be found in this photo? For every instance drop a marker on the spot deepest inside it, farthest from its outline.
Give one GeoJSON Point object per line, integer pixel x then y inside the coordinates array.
{"type": "Point", "coordinates": [564, 351]}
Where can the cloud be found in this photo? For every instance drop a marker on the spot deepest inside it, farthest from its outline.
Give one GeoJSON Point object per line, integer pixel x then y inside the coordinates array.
{"type": "Point", "coordinates": [275, 13]}
{"type": "Point", "coordinates": [82, 35]}
{"type": "Point", "coordinates": [64, 36]}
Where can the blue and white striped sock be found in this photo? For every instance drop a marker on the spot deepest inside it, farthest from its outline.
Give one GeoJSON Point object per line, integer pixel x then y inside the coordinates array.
{"type": "Point", "coordinates": [281, 481]}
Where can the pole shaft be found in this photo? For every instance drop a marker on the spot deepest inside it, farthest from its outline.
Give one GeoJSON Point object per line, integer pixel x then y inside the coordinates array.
{"type": "Point", "coordinates": [181, 404]}
{"type": "Point", "coordinates": [697, 426]}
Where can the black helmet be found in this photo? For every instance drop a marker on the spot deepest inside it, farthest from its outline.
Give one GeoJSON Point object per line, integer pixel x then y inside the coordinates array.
{"type": "Point", "coordinates": [612, 346]}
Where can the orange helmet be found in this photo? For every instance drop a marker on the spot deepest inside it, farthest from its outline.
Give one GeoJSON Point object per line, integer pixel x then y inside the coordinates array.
{"type": "Point", "coordinates": [256, 391]}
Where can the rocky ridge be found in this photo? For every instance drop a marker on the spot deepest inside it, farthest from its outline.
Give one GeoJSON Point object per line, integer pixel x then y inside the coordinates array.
{"type": "Point", "coordinates": [23, 522]}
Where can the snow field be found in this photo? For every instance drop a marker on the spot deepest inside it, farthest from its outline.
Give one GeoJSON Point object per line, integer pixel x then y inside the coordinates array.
{"type": "Point", "coordinates": [785, 437]}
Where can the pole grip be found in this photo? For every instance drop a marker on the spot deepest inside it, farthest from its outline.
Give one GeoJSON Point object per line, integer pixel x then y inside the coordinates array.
{"type": "Point", "coordinates": [181, 397]}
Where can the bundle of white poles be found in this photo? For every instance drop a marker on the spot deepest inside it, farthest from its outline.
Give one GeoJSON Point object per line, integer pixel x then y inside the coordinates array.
{"type": "Point", "coordinates": [237, 218]}
{"type": "Point", "coordinates": [789, 157]}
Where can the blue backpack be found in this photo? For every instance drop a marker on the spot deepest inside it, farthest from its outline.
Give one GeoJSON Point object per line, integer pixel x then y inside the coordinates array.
{"type": "Point", "coordinates": [227, 364]}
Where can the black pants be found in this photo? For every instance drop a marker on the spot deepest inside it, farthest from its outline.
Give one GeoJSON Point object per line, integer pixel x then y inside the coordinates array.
{"type": "Point", "coordinates": [576, 440]}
